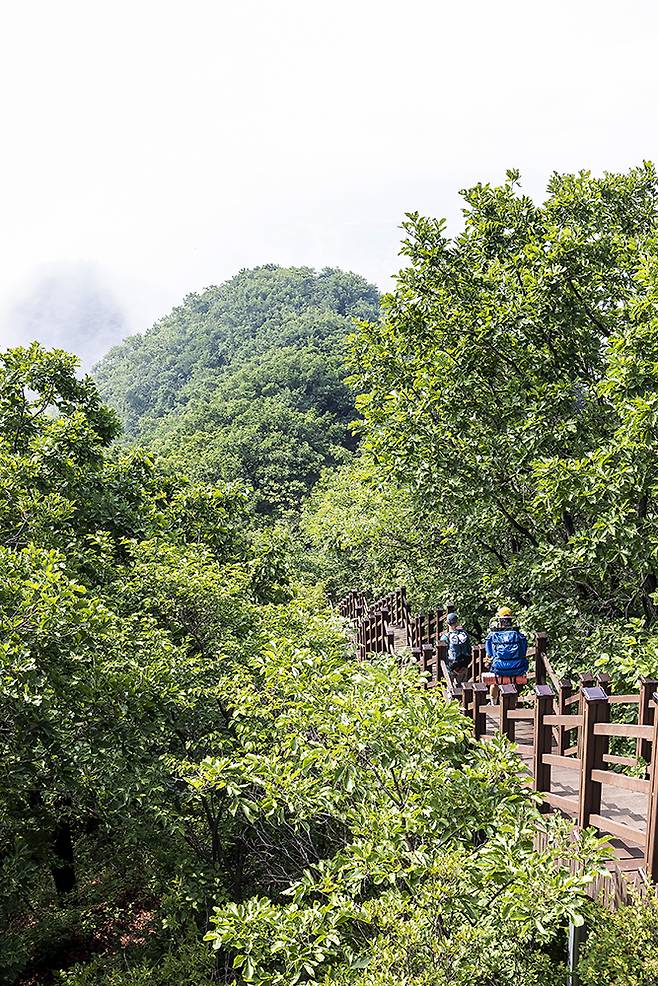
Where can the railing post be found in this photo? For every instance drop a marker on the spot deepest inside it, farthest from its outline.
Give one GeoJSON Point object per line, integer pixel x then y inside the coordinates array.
{"type": "Point", "coordinates": [564, 692]}
{"type": "Point", "coordinates": [440, 623]}
{"type": "Point", "coordinates": [387, 637]}
{"type": "Point", "coordinates": [479, 659]}
{"type": "Point", "coordinates": [652, 811]}
{"type": "Point", "coordinates": [467, 695]}
{"type": "Point", "coordinates": [543, 738]}
{"type": "Point", "coordinates": [596, 708]}
{"type": "Point", "coordinates": [586, 681]}
{"type": "Point", "coordinates": [541, 646]}
{"type": "Point", "coordinates": [479, 718]}
{"type": "Point", "coordinates": [428, 662]}
{"type": "Point", "coordinates": [441, 655]}
{"type": "Point", "coordinates": [645, 715]}
{"type": "Point", "coordinates": [508, 697]}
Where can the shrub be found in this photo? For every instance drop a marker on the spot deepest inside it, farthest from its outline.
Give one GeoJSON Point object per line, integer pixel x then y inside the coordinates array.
{"type": "Point", "coordinates": [622, 948]}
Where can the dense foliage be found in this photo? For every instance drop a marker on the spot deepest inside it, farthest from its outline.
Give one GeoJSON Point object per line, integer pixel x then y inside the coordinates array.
{"type": "Point", "coordinates": [246, 381]}
{"type": "Point", "coordinates": [622, 947]}
{"type": "Point", "coordinates": [510, 395]}
{"type": "Point", "coordinates": [200, 783]}
{"type": "Point", "coordinates": [189, 749]}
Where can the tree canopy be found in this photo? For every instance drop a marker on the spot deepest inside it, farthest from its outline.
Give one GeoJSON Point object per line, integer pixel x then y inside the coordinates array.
{"type": "Point", "coordinates": [200, 781]}
{"type": "Point", "coordinates": [189, 748]}
{"type": "Point", "coordinates": [510, 391]}
{"type": "Point", "coordinates": [246, 381]}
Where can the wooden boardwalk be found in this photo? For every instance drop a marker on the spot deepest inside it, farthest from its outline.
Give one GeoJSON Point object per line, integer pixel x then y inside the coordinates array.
{"type": "Point", "coordinates": [617, 806]}
{"type": "Point", "coordinates": [584, 782]}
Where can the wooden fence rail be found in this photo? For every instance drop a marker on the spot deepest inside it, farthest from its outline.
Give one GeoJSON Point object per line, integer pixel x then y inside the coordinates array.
{"type": "Point", "coordinates": [561, 728]}
{"type": "Point", "coordinates": [354, 605]}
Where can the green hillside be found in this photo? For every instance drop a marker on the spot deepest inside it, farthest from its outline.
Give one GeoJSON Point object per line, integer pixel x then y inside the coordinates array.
{"type": "Point", "coordinates": [204, 781]}
{"type": "Point", "coordinates": [245, 381]}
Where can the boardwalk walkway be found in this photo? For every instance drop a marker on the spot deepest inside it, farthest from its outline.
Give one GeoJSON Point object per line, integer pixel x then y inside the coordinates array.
{"type": "Point", "coordinates": [618, 806]}
{"type": "Point", "coordinates": [584, 781]}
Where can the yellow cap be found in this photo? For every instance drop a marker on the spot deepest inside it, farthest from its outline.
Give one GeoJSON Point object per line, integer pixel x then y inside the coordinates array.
{"type": "Point", "coordinates": [504, 611]}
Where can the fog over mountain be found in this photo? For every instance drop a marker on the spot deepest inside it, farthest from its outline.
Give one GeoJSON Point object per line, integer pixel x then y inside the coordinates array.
{"type": "Point", "coordinates": [69, 307]}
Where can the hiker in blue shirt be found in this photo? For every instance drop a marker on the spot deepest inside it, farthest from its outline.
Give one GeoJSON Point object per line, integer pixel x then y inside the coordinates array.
{"type": "Point", "coordinates": [458, 659]}
{"type": "Point", "coordinates": [507, 648]}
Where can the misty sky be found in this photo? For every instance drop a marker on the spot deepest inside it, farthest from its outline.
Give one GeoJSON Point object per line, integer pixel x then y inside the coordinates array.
{"type": "Point", "coordinates": [151, 148]}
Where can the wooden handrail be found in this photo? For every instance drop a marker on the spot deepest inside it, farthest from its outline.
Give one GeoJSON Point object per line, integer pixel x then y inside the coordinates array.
{"type": "Point", "coordinates": [623, 729]}
{"type": "Point", "coordinates": [571, 763]}
{"type": "Point", "coordinates": [623, 832]}
{"type": "Point", "coordinates": [622, 781]}
{"type": "Point", "coordinates": [568, 805]}
{"type": "Point", "coordinates": [573, 722]}
{"type": "Point", "coordinates": [620, 761]}
{"type": "Point", "coordinates": [554, 722]}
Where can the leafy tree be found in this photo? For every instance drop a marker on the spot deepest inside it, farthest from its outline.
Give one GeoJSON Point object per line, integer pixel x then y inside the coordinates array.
{"type": "Point", "coordinates": [509, 390]}
{"type": "Point", "coordinates": [246, 381]}
{"type": "Point", "coordinates": [377, 819]}
{"type": "Point", "coordinates": [364, 533]}
{"type": "Point", "coordinates": [126, 595]}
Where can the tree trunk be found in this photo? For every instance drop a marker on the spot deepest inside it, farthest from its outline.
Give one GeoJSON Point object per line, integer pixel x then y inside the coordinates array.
{"type": "Point", "coordinates": [63, 866]}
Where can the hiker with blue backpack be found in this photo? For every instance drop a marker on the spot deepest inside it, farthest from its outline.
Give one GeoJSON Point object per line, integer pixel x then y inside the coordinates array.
{"type": "Point", "coordinates": [458, 659]}
{"type": "Point", "coordinates": [507, 650]}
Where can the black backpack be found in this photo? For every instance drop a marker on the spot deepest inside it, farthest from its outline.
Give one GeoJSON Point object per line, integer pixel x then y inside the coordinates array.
{"type": "Point", "coordinates": [459, 649]}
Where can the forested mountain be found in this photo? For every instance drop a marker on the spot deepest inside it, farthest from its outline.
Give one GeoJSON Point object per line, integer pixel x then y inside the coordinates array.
{"type": "Point", "coordinates": [201, 782]}
{"type": "Point", "coordinates": [246, 381]}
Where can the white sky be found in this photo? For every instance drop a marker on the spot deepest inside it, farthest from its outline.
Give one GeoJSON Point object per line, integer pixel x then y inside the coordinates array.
{"type": "Point", "coordinates": [164, 145]}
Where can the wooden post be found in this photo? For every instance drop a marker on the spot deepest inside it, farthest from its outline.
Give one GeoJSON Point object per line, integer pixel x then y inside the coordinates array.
{"type": "Point", "coordinates": [586, 681]}
{"type": "Point", "coordinates": [596, 708]}
{"type": "Point", "coordinates": [385, 636]}
{"type": "Point", "coordinates": [441, 655]}
{"type": "Point", "coordinates": [564, 692]}
{"type": "Point", "coordinates": [645, 715]}
{"type": "Point", "coordinates": [479, 650]}
{"type": "Point", "coordinates": [543, 741]}
{"type": "Point", "coordinates": [508, 697]}
{"type": "Point", "coordinates": [541, 646]}
{"type": "Point", "coordinates": [652, 809]}
{"type": "Point", "coordinates": [604, 681]}
{"type": "Point", "coordinates": [416, 632]}
{"type": "Point", "coordinates": [467, 695]}
{"type": "Point", "coordinates": [479, 718]}
{"type": "Point", "coordinates": [440, 623]}
{"type": "Point", "coordinates": [428, 663]}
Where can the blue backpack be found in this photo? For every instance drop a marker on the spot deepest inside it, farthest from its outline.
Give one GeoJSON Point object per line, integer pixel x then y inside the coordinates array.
{"type": "Point", "coordinates": [509, 652]}
{"type": "Point", "coordinates": [459, 649]}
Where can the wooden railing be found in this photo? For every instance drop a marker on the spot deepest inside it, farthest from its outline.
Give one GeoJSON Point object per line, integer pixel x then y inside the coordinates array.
{"type": "Point", "coordinates": [426, 628]}
{"type": "Point", "coordinates": [587, 758]}
{"type": "Point", "coordinates": [354, 605]}
{"type": "Point", "coordinates": [374, 634]}
{"type": "Point", "coordinates": [567, 726]}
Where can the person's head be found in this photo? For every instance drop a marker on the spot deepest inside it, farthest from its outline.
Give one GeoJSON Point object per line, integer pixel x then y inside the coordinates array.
{"type": "Point", "coordinates": [452, 620]}
{"type": "Point", "coordinates": [504, 616]}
